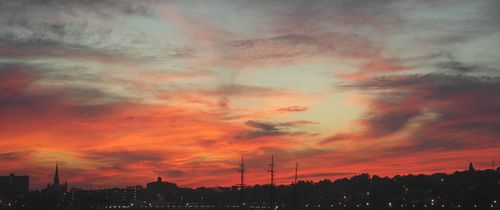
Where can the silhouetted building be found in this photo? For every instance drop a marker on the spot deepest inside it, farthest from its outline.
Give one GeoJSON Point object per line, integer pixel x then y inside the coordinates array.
{"type": "Point", "coordinates": [471, 167]}
{"type": "Point", "coordinates": [460, 190]}
{"type": "Point", "coordinates": [14, 185]}
{"type": "Point", "coordinates": [161, 189]}
{"type": "Point", "coordinates": [133, 193]}
{"type": "Point", "coordinates": [56, 187]}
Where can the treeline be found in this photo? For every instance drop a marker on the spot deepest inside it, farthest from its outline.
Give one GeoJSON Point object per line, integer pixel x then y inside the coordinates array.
{"type": "Point", "coordinates": [460, 190]}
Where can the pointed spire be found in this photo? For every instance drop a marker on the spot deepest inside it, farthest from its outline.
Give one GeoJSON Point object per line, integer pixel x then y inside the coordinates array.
{"type": "Point", "coordinates": [56, 176]}
{"type": "Point", "coordinates": [296, 169]}
{"type": "Point", "coordinates": [471, 167]}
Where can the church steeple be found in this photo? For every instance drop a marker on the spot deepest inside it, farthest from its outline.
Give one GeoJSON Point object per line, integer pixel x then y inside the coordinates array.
{"type": "Point", "coordinates": [57, 186]}
{"type": "Point", "coordinates": [56, 176]}
{"type": "Point", "coordinates": [471, 167]}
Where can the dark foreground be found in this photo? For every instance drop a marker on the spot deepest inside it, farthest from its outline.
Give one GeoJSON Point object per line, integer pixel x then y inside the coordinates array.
{"type": "Point", "coordinates": [461, 190]}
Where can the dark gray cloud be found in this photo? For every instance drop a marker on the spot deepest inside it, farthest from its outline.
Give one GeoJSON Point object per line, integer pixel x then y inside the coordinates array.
{"type": "Point", "coordinates": [73, 29]}
{"type": "Point", "coordinates": [460, 67]}
{"type": "Point", "coordinates": [307, 16]}
{"type": "Point", "coordinates": [25, 99]}
{"type": "Point", "coordinates": [445, 83]}
{"type": "Point", "coordinates": [430, 143]}
{"type": "Point", "coordinates": [16, 10]}
{"type": "Point", "coordinates": [383, 123]}
{"type": "Point", "coordinates": [246, 90]}
{"type": "Point", "coordinates": [296, 46]}
{"type": "Point", "coordinates": [125, 155]}
{"type": "Point", "coordinates": [262, 129]}
{"type": "Point", "coordinates": [409, 25]}
{"type": "Point", "coordinates": [120, 159]}
{"type": "Point", "coordinates": [297, 123]}
{"type": "Point", "coordinates": [337, 137]}
{"type": "Point", "coordinates": [446, 107]}
{"type": "Point", "coordinates": [12, 47]}
{"type": "Point", "coordinates": [293, 109]}
{"type": "Point", "coordinates": [62, 21]}
{"type": "Point", "coordinates": [262, 126]}
{"type": "Point", "coordinates": [14, 156]}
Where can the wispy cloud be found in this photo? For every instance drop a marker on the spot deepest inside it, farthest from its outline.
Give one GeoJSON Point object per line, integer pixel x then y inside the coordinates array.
{"type": "Point", "coordinates": [293, 109]}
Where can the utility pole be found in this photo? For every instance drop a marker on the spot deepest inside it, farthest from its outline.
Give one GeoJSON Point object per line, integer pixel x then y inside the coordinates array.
{"type": "Point", "coordinates": [295, 190]}
{"type": "Point", "coordinates": [242, 181]}
{"type": "Point", "coordinates": [271, 187]}
{"type": "Point", "coordinates": [493, 163]}
{"type": "Point", "coordinates": [296, 168]}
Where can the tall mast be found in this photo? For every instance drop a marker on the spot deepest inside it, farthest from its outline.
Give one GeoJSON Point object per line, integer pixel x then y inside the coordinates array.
{"type": "Point", "coordinates": [242, 181]}
{"type": "Point", "coordinates": [271, 170]}
{"type": "Point", "coordinates": [295, 190]}
{"type": "Point", "coordinates": [271, 186]}
{"type": "Point", "coordinates": [296, 169]}
{"type": "Point", "coordinates": [242, 172]}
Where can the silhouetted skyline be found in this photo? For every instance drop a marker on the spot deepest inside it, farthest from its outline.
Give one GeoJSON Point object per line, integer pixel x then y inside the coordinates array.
{"type": "Point", "coordinates": [56, 186]}
{"type": "Point", "coordinates": [466, 189]}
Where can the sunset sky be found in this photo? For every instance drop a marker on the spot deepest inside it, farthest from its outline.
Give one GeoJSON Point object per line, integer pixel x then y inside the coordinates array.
{"type": "Point", "coordinates": [121, 92]}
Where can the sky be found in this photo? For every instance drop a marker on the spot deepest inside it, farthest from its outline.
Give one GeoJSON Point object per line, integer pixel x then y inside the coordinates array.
{"type": "Point", "coordinates": [121, 92]}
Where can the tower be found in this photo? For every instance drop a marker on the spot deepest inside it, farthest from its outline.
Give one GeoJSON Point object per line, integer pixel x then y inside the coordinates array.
{"type": "Point", "coordinates": [471, 167]}
{"type": "Point", "coordinates": [296, 169]}
{"type": "Point", "coordinates": [242, 172]}
{"type": "Point", "coordinates": [295, 190]}
{"type": "Point", "coordinates": [271, 186]}
{"type": "Point", "coordinates": [242, 181]}
{"type": "Point", "coordinates": [271, 170]}
{"type": "Point", "coordinates": [56, 187]}
{"type": "Point", "coordinates": [56, 176]}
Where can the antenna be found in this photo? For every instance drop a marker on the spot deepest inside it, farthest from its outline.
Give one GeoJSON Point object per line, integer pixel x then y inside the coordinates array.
{"type": "Point", "coordinates": [271, 187]}
{"type": "Point", "coordinates": [295, 190]}
{"type": "Point", "coordinates": [271, 170]}
{"type": "Point", "coordinates": [242, 181]}
{"type": "Point", "coordinates": [242, 172]}
{"type": "Point", "coordinates": [296, 168]}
